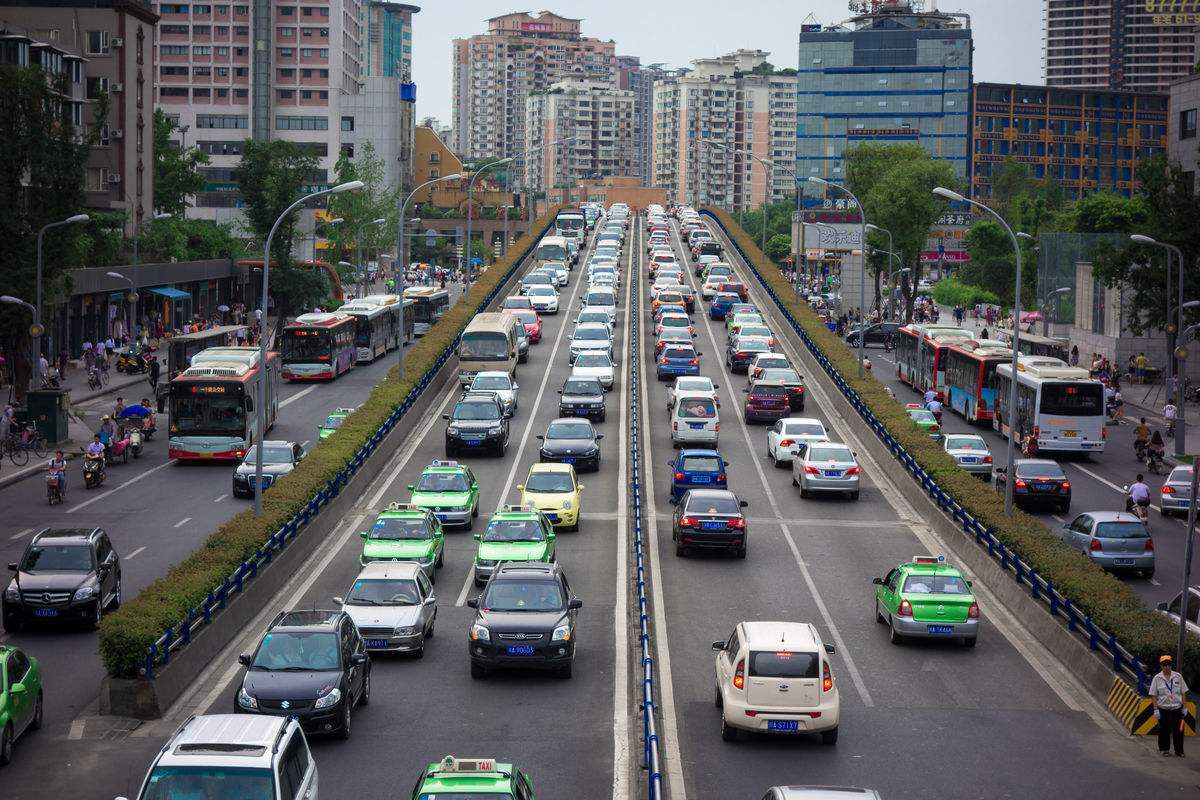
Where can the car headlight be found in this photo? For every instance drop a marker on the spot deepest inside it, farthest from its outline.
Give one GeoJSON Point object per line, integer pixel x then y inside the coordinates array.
{"type": "Point", "coordinates": [566, 505]}
{"type": "Point", "coordinates": [561, 634]}
{"type": "Point", "coordinates": [328, 699]}
{"type": "Point", "coordinates": [12, 593]}
{"type": "Point", "coordinates": [240, 477]}
{"type": "Point", "coordinates": [495, 429]}
{"type": "Point", "coordinates": [85, 592]}
{"type": "Point", "coordinates": [452, 430]}
{"type": "Point", "coordinates": [245, 699]}
{"type": "Point", "coordinates": [480, 634]}
{"type": "Point", "coordinates": [425, 562]}
{"type": "Point", "coordinates": [485, 562]}
{"type": "Point", "coordinates": [406, 630]}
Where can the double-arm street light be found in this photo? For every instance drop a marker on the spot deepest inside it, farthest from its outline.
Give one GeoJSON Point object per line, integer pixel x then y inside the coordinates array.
{"type": "Point", "coordinates": [862, 284]}
{"type": "Point", "coordinates": [470, 211]}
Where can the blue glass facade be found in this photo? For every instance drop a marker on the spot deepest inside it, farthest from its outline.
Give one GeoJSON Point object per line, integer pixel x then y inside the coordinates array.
{"type": "Point", "coordinates": [389, 40]}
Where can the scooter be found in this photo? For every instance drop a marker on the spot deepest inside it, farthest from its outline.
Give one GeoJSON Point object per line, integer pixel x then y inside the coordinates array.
{"type": "Point", "coordinates": [93, 472]}
{"type": "Point", "coordinates": [1154, 462]}
{"type": "Point", "coordinates": [134, 435]}
{"type": "Point", "coordinates": [54, 488]}
{"type": "Point", "coordinates": [1139, 449]}
{"type": "Point", "coordinates": [1142, 512]}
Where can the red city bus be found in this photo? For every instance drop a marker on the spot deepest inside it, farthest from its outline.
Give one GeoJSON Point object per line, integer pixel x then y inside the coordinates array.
{"type": "Point", "coordinates": [970, 378]}
{"type": "Point", "coordinates": [212, 403]}
{"type": "Point", "coordinates": [318, 346]}
{"type": "Point", "coordinates": [919, 353]}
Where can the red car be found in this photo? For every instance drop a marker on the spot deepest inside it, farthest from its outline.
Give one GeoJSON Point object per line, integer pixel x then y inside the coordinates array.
{"type": "Point", "coordinates": [532, 322]}
{"type": "Point", "coordinates": [736, 288]}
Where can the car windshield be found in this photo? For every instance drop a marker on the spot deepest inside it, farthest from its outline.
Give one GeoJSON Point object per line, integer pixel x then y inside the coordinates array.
{"type": "Point", "coordinates": [674, 322]}
{"type": "Point", "coordinates": [491, 382]}
{"type": "Point", "coordinates": [829, 454]}
{"type": "Point", "coordinates": [592, 316]}
{"type": "Point", "coordinates": [550, 482]}
{"type": "Point", "coordinates": [804, 429]}
{"type": "Point", "coordinates": [966, 443]}
{"type": "Point", "coordinates": [534, 278]}
{"type": "Point", "coordinates": [755, 330]}
{"type": "Point", "coordinates": [697, 408]}
{"type": "Point", "coordinates": [476, 411]}
{"type": "Point", "coordinates": [57, 558]}
{"type": "Point", "coordinates": [541, 291]}
{"type": "Point", "coordinates": [384, 592]}
{"type": "Point", "coordinates": [785, 375]}
{"type": "Point", "coordinates": [935, 584]}
{"type": "Point", "coordinates": [713, 505]}
{"type": "Point", "coordinates": [577, 387]}
{"type": "Point", "coordinates": [1120, 530]}
{"type": "Point", "coordinates": [523, 596]}
{"type": "Point", "coordinates": [753, 345]}
{"type": "Point", "coordinates": [516, 302]}
{"type": "Point", "coordinates": [298, 651]}
{"type": "Point", "coordinates": [514, 530]}
{"type": "Point", "coordinates": [442, 482]}
{"type": "Point", "coordinates": [399, 528]}
{"type": "Point", "coordinates": [334, 421]}
{"type": "Point", "coordinates": [1046, 469]}
{"type": "Point", "coordinates": [170, 783]}
{"type": "Point", "coordinates": [575, 429]}
{"type": "Point", "coordinates": [593, 360]}
{"type": "Point", "coordinates": [271, 455]}
{"type": "Point", "coordinates": [701, 464]}
{"type": "Point", "coordinates": [590, 335]}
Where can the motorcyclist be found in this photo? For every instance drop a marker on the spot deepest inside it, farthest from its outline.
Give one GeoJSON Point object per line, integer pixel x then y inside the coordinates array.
{"type": "Point", "coordinates": [108, 430]}
{"type": "Point", "coordinates": [1139, 493]}
{"type": "Point", "coordinates": [57, 467]}
{"type": "Point", "coordinates": [1156, 449]}
{"type": "Point", "coordinates": [1141, 437]}
{"type": "Point", "coordinates": [95, 451]}
{"type": "Point", "coordinates": [1170, 413]}
{"type": "Point", "coordinates": [149, 423]}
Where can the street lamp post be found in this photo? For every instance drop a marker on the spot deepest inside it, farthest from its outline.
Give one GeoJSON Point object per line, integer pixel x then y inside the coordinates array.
{"type": "Point", "coordinates": [1016, 341]}
{"type": "Point", "coordinates": [36, 329]}
{"type": "Point", "coordinates": [862, 283]}
{"type": "Point", "coordinates": [470, 210]}
{"type": "Point", "coordinates": [1184, 335]}
{"type": "Point", "coordinates": [1181, 434]}
{"type": "Point", "coordinates": [1046, 305]}
{"type": "Point", "coordinates": [260, 401]}
{"type": "Point", "coordinates": [889, 251]}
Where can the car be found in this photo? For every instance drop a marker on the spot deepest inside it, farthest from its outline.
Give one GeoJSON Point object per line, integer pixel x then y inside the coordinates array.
{"type": "Point", "coordinates": [333, 422]}
{"type": "Point", "coordinates": [279, 458]}
{"type": "Point", "coordinates": [735, 287]}
{"type": "Point", "coordinates": [596, 366]}
{"type": "Point", "coordinates": [516, 533]}
{"type": "Point", "coordinates": [465, 777]}
{"type": "Point", "coordinates": [311, 664]}
{"type": "Point", "coordinates": [721, 303]}
{"type": "Point", "coordinates": [1118, 541]}
{"type": "Point", "coordinates": [735, 319]}
{"type": "Point", "coordinates": [477, 423]}
{"type": "Point", "coordinates": [697, 469]}
{"type": "Point", "coordinates": [689, 297]}
{"type": "Point", "coordinates": [709, 519]}
{"type": "Point", "coordinates": [756, 330]}
{"type": "Point", "coordinates": [514, 302]}
{"type": "Point", "coordinates": [764, 361]}
{"type": "Point", "coordinates": [801, 792]}
{"type": "Point", "coordinates": [21, 701]}
{"type": "Point", "coordinates": [742, 350]}
{"type": "Point", "coordinates": [790, 379]}
{"type": "Point", "coordinates": [766, 401]}
{"type": "Point", "coordinates": [570, 440]}
{"type": "Point", "coordinates": [971, 452]}
{"type": "Point", "coordinates": [708, 289]}
{"type": "Point", "coordinates": [524, 619]}
{"type": "Point", "coordinates": [535, 278]}
{"type": "Point", "coordinates": [785, 437]}
{"type": "Point", "coordinates": [1038, 482]}
{"type": "Point", "coordinates": [823, 467]}
{"type": "Point", "coordinates": [590, 338]}
{"type": "Point", "coordinates": [448, 489]}
{"type": "Point", "coordinates": [695, 419]}
{"type": "Point", "coordinates": [670, 296]}
{"type": "Point", "coordinates": [927, 598]}
{"type": "Point", "coordinates": [673, 320]}
{"type": "Point", "coordinates": [559, 270]}
{"type": "Point", "coordinates": [744, 308]}
{"type": "Point", "coordinates": [501, 384]}
{"type": "Point", "coordinates": [405, 532]}
{"type": "Point", "coordinates": [1173, 609]}
{"type": "Point", "coordinates": [532, 322]}
{"type": "Point", "coordinates": [593, 316]}
{"type": "Point", "coordinates": [554, 490]}
{"type": "Point", "coordinates": [393, 606]}
{"type": "Point", "coordinates": [692, 385]}
{"type": "Point", "coordinates": [1177, 492]}
{"type": "Point", "coordinates": [672, 336]}
{"type": "Point", "coordinates": [604, 299]}
{"type": "Point", "coordinates": [879, 333]}
{"type": "Point", "coordinates": [543, 299]}
{"type": "Point", "coordinates": [677, 359]}
{"type": "Point", "coordinates": [926, 421]}
{"type": "Point", "coordinates": [63, 575]}
{"type": "Point", "coordinates": [210, 754]}
{"type": "Point", "coordinates": [582, 397]}
{"type": "Point", "coordinates": [717, 269]}
{"type": "Point", "coordinates": [669, 308]}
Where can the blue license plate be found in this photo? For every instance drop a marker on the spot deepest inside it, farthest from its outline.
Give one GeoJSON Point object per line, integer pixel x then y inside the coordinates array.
{"type": "Point", "coordinates": [785, 725]}
{"type": "Point", "coordinates": [940, 630]}
{"type": "Point", "coordinates": [1042, 487]}
{"type": "Point", "coordinates": [1124, 562]}
{"type": "Point", "coordinates": [472, 442]}
{"type": "Point", "coordinates": [377, 643]}
{"type": "Point", "coordinates": [520, 649]}
{"type": "Point", "coordinates": [441, 515]}
{"type": "Point", "coordinates": [568, 461]}
{"type": "Point", "coordinates": [712, 526]}
{"type": "Point", "coordinates": [696, 426]}
{"type": "Point", "coordinates": [45, 612]}
{"type": "Point", "coordinates": [970, 460]}
{"type": "Point", "coordinates": [833, 473]}
{"type": "Point", "coordinates": [701, 479]}
{"type": "Point", "coordinates": [583, 412]}
{"type": "Point", "coordinates": [552, 517]}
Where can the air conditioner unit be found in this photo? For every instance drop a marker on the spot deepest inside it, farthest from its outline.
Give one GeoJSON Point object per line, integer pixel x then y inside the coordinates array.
{"type": "Point", "coordinates": [117, 133]}
{"type": "Point", "coordinates": [117, 41]}
{"type": "Point", "coordinates": [117, 87]}
{"type": "Point", "coordinates": [114, 177]}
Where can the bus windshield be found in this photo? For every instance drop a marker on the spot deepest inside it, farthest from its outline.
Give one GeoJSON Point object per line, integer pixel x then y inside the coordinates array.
{"type": "Point", "coordinates": [219, 415]}
{"type": "Point", "coordinates": [1072, 399]}
{"type": "Point", "coordinates": [551, 252]}
{"type": "Point", "coordinates": [302, 345]}
{"type": "Point", "coordinates": [484, 346]}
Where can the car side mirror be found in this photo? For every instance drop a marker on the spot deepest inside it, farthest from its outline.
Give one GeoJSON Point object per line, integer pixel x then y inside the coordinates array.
{"type": "Point", "coordinates": [445, 416]}
{"type": "Point", "coordinates": [580, 487]}
{"type": "Point", "coordinates": [358, 659]}
{"type": "Point", "coordinates": [716, 386]}
{"type": "Point", "coordinates": [540, 438]}
{"type": "Point", "coordinates": [718, 646]}
{"type": "Point", "coordinates": [16, 689]}
{"type": "Point", "coordinates": [472, 602]}
{"type": "Point", "coordinates": [410, 487]}
{"type": "Point", "coordinates": [575, 603]}
{"type": "Point", "coordinates": [551, 536]}
{"type": "Point", "coordinates": [599, 436]}
{"type": "Point", "coordinates": [341, 601]}
{"type": "Point", "coordinates": [477, 537]}
{"type": "Point", "coordinates": [830, 649]}
{"type": "Point", "coordinates": [431, 600]}
{"type": "Point", "coordinates": [560, 391]}
{"type": "Point", "coordinates": [12, 566]}
{"type": "Point", "coordinates": [516, 386]}
{"type": "Point", "coordinates": [1161, 606]}
{"type": "Point", "coordinates": [743, 504]}
{"type": "Point", "coordinates": [244, 659]}
{"type": "Point", "coordinates": [520, 487]}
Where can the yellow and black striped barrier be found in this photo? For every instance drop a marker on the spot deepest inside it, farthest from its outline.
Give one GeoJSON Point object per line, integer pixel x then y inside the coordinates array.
{"type": "Point", "coordinates": [1136, 714]}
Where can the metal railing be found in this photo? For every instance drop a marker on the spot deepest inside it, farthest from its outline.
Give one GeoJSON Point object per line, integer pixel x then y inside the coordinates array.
{"type": "Point", "coordinates": [1124, 663]}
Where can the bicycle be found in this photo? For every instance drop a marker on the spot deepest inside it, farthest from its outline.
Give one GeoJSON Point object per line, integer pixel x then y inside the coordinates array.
{"type": "Point", "coordinates": [18, 444]}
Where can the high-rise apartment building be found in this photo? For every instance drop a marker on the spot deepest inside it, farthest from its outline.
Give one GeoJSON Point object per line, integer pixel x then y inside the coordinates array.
{"type": "Point", "coordinates": [1141, 45]}
{"type": "Point", "coordinates": [891, 74]}
{"type": "Point", "coordinates": [599, 121]}
{"type": "Point", "coordinates": [494, 72]}
{"type": "Point", "coordinates": [633, 76]}
{"type": "Point", "coordinates": [389, 39]}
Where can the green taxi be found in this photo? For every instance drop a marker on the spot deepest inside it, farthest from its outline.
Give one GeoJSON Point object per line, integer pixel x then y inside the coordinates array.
{"type": "Point", "coordinates": [926, 598]}
{"type": "Point", "coordinates": [518, 533]}
{"type": "Point", "coordinates": [450, 491]}
{"type": "Point", "coordinates": [925, 420]}
{"type": "Point", "coordinates": [20, 698]}
{"type": "Point", "coordinates": [333, 422]}
{"type": "Point", "coordinates": [457, 778]}
{"type": "Point", "coordinates": [404, 532]}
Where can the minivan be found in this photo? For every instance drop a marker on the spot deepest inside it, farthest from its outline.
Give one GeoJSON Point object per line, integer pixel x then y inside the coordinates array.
{"type": "Point", "coordinates": [695, 420]}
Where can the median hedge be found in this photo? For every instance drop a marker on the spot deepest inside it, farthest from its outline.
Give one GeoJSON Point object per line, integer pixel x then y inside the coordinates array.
{"type": "Point", "coordinates": [1111, 604]}
{"type": "Point", "coordinates": [126, 635]}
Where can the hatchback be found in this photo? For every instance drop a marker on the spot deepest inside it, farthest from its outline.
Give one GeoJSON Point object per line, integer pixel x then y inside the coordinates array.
{"type": "Point", "coordinates": [1115, 540]}
{"type": "Point", "coordinates": [721, 303]}
{"type": "Point", "coordinates": [677, 359]}
{"type": "Point", "coordinates": [697, 469]}
{"type": "Point", "coordinates": [766, 401]}
{"type": "Point", "coordinates": [709, 519]}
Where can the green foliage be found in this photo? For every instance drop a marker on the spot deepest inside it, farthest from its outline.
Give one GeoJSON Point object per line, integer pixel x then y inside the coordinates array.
{"type": "Point", "coordinates": [779, 247]}
{"type": "Point", "coordinates": [992, 263]}
{"type": "Point", "coordinates": [176, 174]}
{"type": "Point", "coordinates": [1108, 212]}
{"type": "Point", "coordinates": [952, 292]}
{"type": "Point", "coordinates": [359, 209]}
{"type": "Point", "coordinates": [779, 220]}
{"type": "Point", "coordinates": [179, 239]}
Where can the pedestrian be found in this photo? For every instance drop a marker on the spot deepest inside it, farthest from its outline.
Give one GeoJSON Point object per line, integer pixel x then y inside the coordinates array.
{"type": "Point", "coordinates": [1140, 364]}
{"type": "Point", "coordinates": [155, 368]}
{"type": "Point", "coordinates": [983, 334]}
{"type": "Point", "coordinates": [63, 358]}
{"type": "Point", "coordinates": [100, 357]}
{"type": "Point", "coordinates": [1074, 355]}
{"type": "Point", "coordinates": [1167, 690]}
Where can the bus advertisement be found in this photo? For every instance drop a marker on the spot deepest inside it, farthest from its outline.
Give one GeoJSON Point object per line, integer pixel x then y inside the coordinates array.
{"type": "Point", "coordinates": [318, 346]}
{"type": "Point", "coordinates": [970, 378]}
{"type": "Point", "coordinates": [212, 404]}
{"type": "Point", "coordinates": [919, 352]}
{"type": "Point", "coordinates": [1032, 344]}
{"type": "Point", "coordinates": [1058, 405]}
{"type": "Point", "coordinates": [429, 305]}
{"type": "Point", "coordinates": [377, 325]}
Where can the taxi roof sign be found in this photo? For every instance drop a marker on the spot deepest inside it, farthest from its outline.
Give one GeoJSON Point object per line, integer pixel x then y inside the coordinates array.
{"type": "Point", "coordinates": [452, 764]}
{"type": "Point", "coordinates": [929, 559]}
{"type": "Point", "coordinates": [403, 507]}
{"type": "Point", "coordinates": [526, 507]}
{"type": "Point", "coordinates": [437, 462]}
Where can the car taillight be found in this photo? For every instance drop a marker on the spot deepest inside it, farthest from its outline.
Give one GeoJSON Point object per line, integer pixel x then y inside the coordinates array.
{"type": "Point", "coordinates": [826, 679]}
{"type": "Point", "coordinates": [1095, 546]}
{"type": "Point", "coordinates": [739, 675]}
{"type": "Point", "coordinates": [905, 609]}
{"type": "Point", "coordinates": [717, 428]}
{"type": "Point", "coordinates": [935, 427]}
{"type": "Point", "coordinates": [1066, 484]}
{"type": "Point", "coordinates": [664, 360]}
{"type": "Point", "coordinates": [1036, 431]}
{"type": "Point", "coordinates": [689, 522]}
{"type": "Point", "coordinates": [853, 471]}
{"type": "Point", "coordinates": [739, 522]}
{"type": "Point", "coordinates": [786, 442]}
{"type": "Point", "coordinates": [1104, 433]}
{"type": "Point", "coordinates": [1149, 545]}
{"type": "Point", "coordinates": [678, 476]}
{"type": "Point", "coordinates": [674, 425]}
{"type": "Point", "coordinates": [694, 361]}
{"type": "Point", "coordinates": [973, 611]}
{"type": "Point", "coordinates": [720, 477]}
{"type": "Point", "coordinates": [770, 342]}
{"type": "Point", "coordinates": [811, 471]}
{"type": "Point", "coordinates": [1020, 484]}
{"type": "Point", "coordinates": [740, 355]}
{"type": "Point", "coordinates": [987, 459]}
{"type": "Point", "coordinates": [1168, 490]}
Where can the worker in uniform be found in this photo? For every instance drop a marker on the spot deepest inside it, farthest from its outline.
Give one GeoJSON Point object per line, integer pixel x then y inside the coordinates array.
{"type": "Point", "coordinates": [1167, 691]}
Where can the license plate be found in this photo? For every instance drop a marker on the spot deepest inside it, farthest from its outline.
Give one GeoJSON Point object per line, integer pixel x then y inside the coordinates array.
{"type": "Point", "coordinates": [377, 643]}
{"type": "Point", "coordinates": [472, 442]}
{"type": "Point", "coordinates": [833, 473]}
{"type": "Point", "coordinates": [786, 725]}
{"type": "Point", "coordinates": [712, 526]}
{"type": "Point", "coordinates": [45, 612]}
{"type": "Point", "coordinates": [1184, 503]}
{"type": "Point", "coordinates": [1043, 487]}
{"type": "Point", "coordinates": [696, 426]}
{"type": "Point", "coordinates": [568, 461]}
{"type": "Point", "coordinates": [970, 460]}
{"type": "Point", "coordinates": [940, 630]}
{"type": "Point", "coordinates": [582, 412]}
{"type": "Point", "coordinates": [701, 479]}
{"type": "Point", "coordinates": [1124, 562]}
{"type": "Point", "coordinates": [1070, 434]}
{"type": "Point", "coordinates": [206, 455]}
{"type": "Point", "coordinates": [520, 649]}
{"type": "Point", "coordinates": [441, 515]}
{"type": "Point", "coordinates": [552, 517]}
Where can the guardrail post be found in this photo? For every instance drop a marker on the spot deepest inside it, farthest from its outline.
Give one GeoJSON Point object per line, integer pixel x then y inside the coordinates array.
{"type": "Point", "coordinates": [151, 656]}
{"type": "Point", "coordinates": [1139, 672]}
{"type": "Point", "coordinates": [167, 638]}
{"type": "Point", "coordinates": [1093, 634]}
{"type": "Point", "coordinates": [208, 604]}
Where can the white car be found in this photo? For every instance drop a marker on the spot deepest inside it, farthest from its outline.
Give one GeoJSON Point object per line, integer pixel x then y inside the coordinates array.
{"type": "Point", "coordinates": [499, 383]}
{"type": "Point", "coordinates": [590, 338]}
{"type": "Point", "coordinates": [593, 315]}
{"type": "Point", "coordinates": [766, 361]}
{"type": "Point", "coordinates": [692, 384]}
{"type": "Point", "coordinates": [971, 452]}
{"type": "Point", "coordinates": [709, 290]}
{"type": "Point", "coordinates": [786, 435]}
{"type": "Point", "coordinates": [775, 677]}
{"type": "Point", "coordinates": [543, 298]}
{"type": "Point", "coordinates": [558, 269]}
{"type": "Point", "coordinates": [392, 605]}
{"type": "Point", "coordinates": [594, 365]}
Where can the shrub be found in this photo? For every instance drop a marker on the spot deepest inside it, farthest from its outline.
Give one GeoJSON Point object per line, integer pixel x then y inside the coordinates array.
{"type": "Point", "coordinates": [952, 292]}
{"type": "Point", "coordinates": [126, 635]}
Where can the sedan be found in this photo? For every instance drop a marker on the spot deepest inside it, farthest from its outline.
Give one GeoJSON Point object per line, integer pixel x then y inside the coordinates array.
{"type": "Point", "coordinates": [543, 298]}
{"type": "Point", "coordinates": [709, 519]}
{"type": "Point", "coordinates": [673, 321]}
{"type": "Point", "coordinates": [721, 303]}
{"type": "Point", "coordinates": [764, 361]}
{"type": "Point", "coordinates": [515, 302]}
{"type": "Point", "coordinates": [499, 383]}
{"type": "Point", "coordinates": [536, 278]}
{"type": "Point", "coordinates": [593, 315]}
{"type": "Point", "coordinates": [743, 349]}
{"type": "Point", "coordinates": [677, 359]}
{"type": "Point", "coordinates": [672, 336]}
{"type": "Point", "coordinates": [532, 322]}
{"type": "Point", "coordinates": [971, 453]}
{"type": "Point", "coordinates": [786, 436]}
{"type": "Point", "coordinates": [393, 605]}
{"type": "Point", "coordinates": [692, 385]}
{"type": "Point", "coordinates": [558, 269]}
{"type": "Point", "coordinates": [826, 467]}
{"type": "Point", "coordinates": [582, 397]}
{"type": "Point", "coordinates": [1039, 481]}
{"type": "Point", "coordinates": [596, 366]}
{"type": "Point", "coordinates": [279, 458]}
{"type": "Point", "coordinates": [709, 289]}
{"type": "Point", "coordinates": [766, 401]}
{"type": "Point", "coordinates": [590, 338]}
{"type": "Point", "coordinates": [571, 441]}
{"type": "Point", "coordinates": [880, 333]}
{"type": "Point", "coordinates": [788, 378]}
{"type": "Point", "coordinates": [1115, 540]}
{"type": "Point", "coordinates": [1177, 492]}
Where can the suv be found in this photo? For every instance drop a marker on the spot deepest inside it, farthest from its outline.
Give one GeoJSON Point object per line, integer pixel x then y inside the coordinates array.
{"type": "Point", "coordinates": [525, 618]}
{"type": "Point", "coordinates": [477, 422]}
{"type": "Point", "coordinates": [223, 755]}
{"type": "Point", "coordinates": [20, 698]}
{"type": "Point", "coordinates": [279, 458]}
{"type": "Point", "coordinates": [310, 665]}
{"type": "Point", "coordinates": [405, 532]}
{"type": "Point", "coordinates": [64, 575]}
{"type": "Point", "coordinates": [448, 489]}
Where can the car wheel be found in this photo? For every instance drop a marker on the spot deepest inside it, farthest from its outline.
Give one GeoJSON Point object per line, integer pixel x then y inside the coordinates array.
{"type": "Point", "coordinates": [429, 633]}
{"type": "Point", "coordinates": [115, 603]}
{"type": "Point", "coordinates": [1063, 508]}
{"type": "Point", "coordinates": [6, 745]}
{"type": "Point", "coordinates": [477, 671]}
{"type": "Point", "coordinates": [365, 697]}
{"type": "Point", "coordinates": [344, 732]}
{"type": "Point", "coordinates": [854, 495]}
{"type": "Point", "coordinates": [740, 552]}
{"type": "Point", "coordinates": [420, 653]}
{"type": "Point", "coordinates": [1148, 573]}
{"type": "Point", "coordinates": [441, 559]}
{"type": "Point", "coordinates": [36, 722]}
{"type": "Point", "coordinates": [728, 732]}
{"type": "Point", "coordinates": [969, 641]}
{"type": "Point", "coordinates": [893, 636]}
{"type": "Point", "coordinates": [717, 701]}
{"type": "Point", "coordinates": [680, 550]}
{"type": "Point", "coordinates": [803, 491]}
{"type": "Point", "coordinates": [602, 417]}
{"type": "Point", "coordinates": [829, 737]}
{"type": "Point", "coordinates": [470, 523]}
{"type": "Point", "coordinates": [794, 483]}
{"type": "Point", "coordinates": [94, 622]}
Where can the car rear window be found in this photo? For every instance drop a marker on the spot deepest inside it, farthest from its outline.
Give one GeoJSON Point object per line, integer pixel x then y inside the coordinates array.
{"type": "Point", "coordinates": [784, 664]}
{"type": "Point", "coordinates": [769, 391]}
{"type": "Point", "coordinates": [1039, 471]}
{"type": "Point", "coordinates": [699, 407]}
{"type": "Point", "coordinates": [722, 504]}
{"type": "Point", "coordinates": [804, 429]}
{"type": "Point", "coordinates": [829, 454]}
{"type": "Point", "coordinates": [1120, 530]}
{"type": "Point", "coordinates": [935, 584]}
{"type": "Point", "coordinates": [701, 464]}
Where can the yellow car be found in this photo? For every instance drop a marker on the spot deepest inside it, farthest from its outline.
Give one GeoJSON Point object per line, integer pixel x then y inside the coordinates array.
{"type": "Point", "coordinates": [554, 490]}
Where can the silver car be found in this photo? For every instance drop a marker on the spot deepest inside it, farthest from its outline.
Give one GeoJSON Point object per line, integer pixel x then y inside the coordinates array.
{"type": "Point", "coordinates": [1177, 492]}
{"type": "Point", "coordinates": [1172, 609]}
{"type": "Point", "coordinates": [971, 452]}
{"type": "Point", "coordinates": [594, 365]}
{"type": "Point", "coordinates": [499, 383]}
{"type": "Point", "coordinates": [590, 338]}
{"type": "Point", "coordinates": [393, 605]}
{"type": "Point", "coordinates": [1116, 540]}
{"type": "Point", "coordinates": [825, 467]}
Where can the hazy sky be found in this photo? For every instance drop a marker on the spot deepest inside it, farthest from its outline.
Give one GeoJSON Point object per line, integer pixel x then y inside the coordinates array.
{"type": "Point", "coordinates": [1008, 33]}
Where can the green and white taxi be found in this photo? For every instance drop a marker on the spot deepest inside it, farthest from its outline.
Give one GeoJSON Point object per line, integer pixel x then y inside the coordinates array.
{"type": "Point", "coordinates": [458, 778]}
{"type": "Point", "coordinates": [448, 489]}
{"type": "Point", "coordinates": [518, 533]}
{"type": "Point", "coordinates": [405, 532]}
{"type": "Point", "coordinates": [927, 598]}
{"type": "Point", "coordinates": [333, 422]}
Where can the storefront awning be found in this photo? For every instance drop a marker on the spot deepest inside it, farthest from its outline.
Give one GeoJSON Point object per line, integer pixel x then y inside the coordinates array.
{"type": "Point", "coordinates": [168, 292]}
{"type": "Point", "coordinates": [116, 296]}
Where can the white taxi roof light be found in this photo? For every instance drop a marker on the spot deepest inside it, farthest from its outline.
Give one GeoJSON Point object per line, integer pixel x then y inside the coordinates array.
{"type": "Point", "coordinates": [437, 462]}
{"type": "Point", "coordinates": [404, 507]}
{"type": "Point", "coordinates": [343, 411]}
{"type": "Point", "coordinates": [452, 764]}
{"type": "Point", "coordinates": [520, 507]}
{"type": "Point", "coordinates": [939, 559]}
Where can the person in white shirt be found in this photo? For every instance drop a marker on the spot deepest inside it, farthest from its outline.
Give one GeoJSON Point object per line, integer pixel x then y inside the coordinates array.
{"type": "Point", "coordinates": [1170, 412]}
{"type": "Point", "coordinates": [1168, 690]}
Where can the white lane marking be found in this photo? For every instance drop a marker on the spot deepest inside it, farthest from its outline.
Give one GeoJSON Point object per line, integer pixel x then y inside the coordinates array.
{"type": "Point", "coordinates": [220, 498]}
{"type": "Point", "coordinates": [1108, 483]}
{"type": "Point", "coordinates": [855, 676]}
{"type": "Point", "coordinates": [622, 643]}
{"type": "Point", "coordinates": [76, 731]}
{"type": "Point", "coordinates": [673, 759]}
{"type": "Point", "coordinates": [305, 443]}
{"type": "Point", "coordinates": [296, 396]}
{"type": "Point", "coordinates": [21, 534]}
{"type": "Point", "coordinates": [134, 554]}
{"type": "Point", "coordinates": [1060, 519]}
{"type": "Point", "coordinates": [182, 522]}
{"type": "Point", "coordinates": [115, 489]}
{"type": "Point", "coordinates": [1155, 582]}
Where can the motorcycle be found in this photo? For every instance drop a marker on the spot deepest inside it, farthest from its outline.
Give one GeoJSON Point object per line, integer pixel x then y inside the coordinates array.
{"type": "Point", "coordinates": [134, 434]}
{"type": "Point", "coordinates": [1154, 461]}
{"type": "Point", "coordinates": [1139, 449]}
{"type": "Point", "coordinates": [93, 471]}
{"type": "Point", "coordinates": [133, 360]}
{"type": "Point", "coordinates": [118, 448]}
{"type": "Point", "coordinates": [1142, 512]}
{"type": "Point", "coordinates": [54, 488]}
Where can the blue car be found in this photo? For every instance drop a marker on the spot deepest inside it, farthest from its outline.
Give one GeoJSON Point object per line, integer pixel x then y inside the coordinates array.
{"type": "Point", "coordinates": [697, 469]}
{"type": "Point", "coordinates": [722, 303]}
{"type": "Point", "coordinates": [676, 360]}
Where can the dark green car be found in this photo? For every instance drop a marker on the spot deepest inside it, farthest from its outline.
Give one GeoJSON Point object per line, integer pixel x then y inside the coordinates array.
{"type": "Point", "coordinates": [927, 598]}
{"type": "Point", "coordinates": [404, 532]}
{"type": "Point", "coordinates": [450, 490]}
{"type": "Point", "coordinates": [517, 533]}
{"type": "Point", "coordinates": [20, 698]}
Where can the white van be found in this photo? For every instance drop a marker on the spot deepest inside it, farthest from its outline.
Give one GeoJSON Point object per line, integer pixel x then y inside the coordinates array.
{"type": "Point", "coordinates": [695, 420]}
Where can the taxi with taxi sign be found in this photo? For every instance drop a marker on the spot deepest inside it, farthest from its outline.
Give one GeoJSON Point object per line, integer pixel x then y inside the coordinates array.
{"type": "Point", "coordinates": [448, 489]}
{"type": "Point", "coordinates": [463, 777]}
{"type": "Point", "coordinates": [929, 599]}
{"type": "Point", "coordinates": [554, 490]}
{"type": "Point", "coordinates": [333, 422]}
{"type": "Point", "coordinates": [405, 532]}
{"type": "Point", "coordinates": [518, 533]}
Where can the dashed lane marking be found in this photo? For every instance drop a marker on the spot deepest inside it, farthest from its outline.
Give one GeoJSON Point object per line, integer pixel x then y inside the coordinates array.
{"type": "Point", "coordinates": [134, 554]}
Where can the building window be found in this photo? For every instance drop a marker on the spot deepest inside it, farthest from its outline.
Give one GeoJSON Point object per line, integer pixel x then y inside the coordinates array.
{"type": "Point", "coordinates": [286, 52]}
{"type": "Point", "coordinates": [434, 172]}
{"type": "Point", "coordinates": [287, 33]}
{"type": "Point", "coordinates": [222, 93]}
{"type": "Point", "coordinates": [221, 51]}
{"type": "Point", "coordinates": [201, 9]}
{"type": "Point", "coordinates": [233, 121]}
{"type": "Point", "coordinates": [347, 123]}
{"type": "Point", "coordinates": [97, 43]}
{"type": "Point", "coordinates": [97, 179]}
{"type": "Point", "coordinates": [1187, 124]}
{"type": "Point", "coordinates": [202, 30]}
{"type": "Point", "coordinates": [348, 150]}
{"type": "Point", "coordinates": [96, 87]}
{"type": "Point", "coordinates": [285, 94]}
{"type": "Point", "coordinates": [173, 91]}
{"type": "Point", "coordinates": [173, 49]}
{"type": "Point", "coordinates": [201, 50]}
{"type": "Point", "coordinates": [435, 158]}
{"type": "Point", "coordinates": [287, 11]}
{"type": "Point", "coordinates": [301, 123]}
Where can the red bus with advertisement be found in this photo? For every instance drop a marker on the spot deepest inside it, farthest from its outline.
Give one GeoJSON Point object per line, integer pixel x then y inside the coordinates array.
{"type": "Point", "coordinates": [920, 350]}
{"type": "Point", "coordinates": [971, 378]}
{"type": "Point", "coordinates": [212, 403]}
{"type": "Point", "coordinates": [318, 346]}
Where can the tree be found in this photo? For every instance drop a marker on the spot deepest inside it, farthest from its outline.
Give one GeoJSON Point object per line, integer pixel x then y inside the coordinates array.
{"type": "Point", "coordinates": [176, 174]}
{"type": "Point", "coordinates": [180, 239]}
{"type": "Point", "coordinates": [374, 201]}
{"type": "Point", "coordinates": [779, 247]}
{"type": "Point", "coordinates": [992, 260]}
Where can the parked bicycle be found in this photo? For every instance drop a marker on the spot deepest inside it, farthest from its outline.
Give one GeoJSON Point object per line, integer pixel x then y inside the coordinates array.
{"type": "Point", "coordinates": [20, 443]}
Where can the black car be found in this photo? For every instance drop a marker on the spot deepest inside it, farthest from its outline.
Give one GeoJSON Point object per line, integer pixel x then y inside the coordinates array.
{"type": "Point", "coordinates": [879, 333]}
{"type": "Point", "coordinates": [477, 423]}
{"type": "Point", "coordinates": [1039, 482]}
{"type": "Point", "coordinates": [64, 575]}
{"type": "Point", "coordinates": [525, 619]}
{"type": "Point", "coordinates": [741, 351]}
{"type": "Point", "coordinates": [310, 665]}
{"type": "Point", "coordinates": [279, 458]}
{"type": "Point", "coordinates": [582, 397]}
{"type": "Point", "coordinates": [709, 519]}
{"type": "Point", "coordinates": [572, 441]}
{"type": "Point", "coordinates": [689, 298]}
{"type": "Point", "coordinates": [707, 247]}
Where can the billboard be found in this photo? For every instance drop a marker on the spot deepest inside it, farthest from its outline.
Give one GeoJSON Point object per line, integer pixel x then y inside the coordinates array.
{"type": "Point", "coordinates": [1173, 12]}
